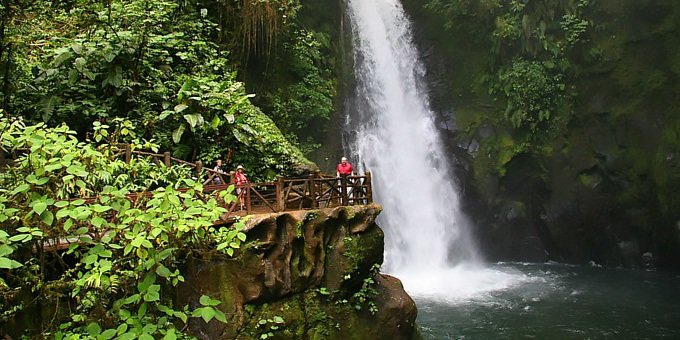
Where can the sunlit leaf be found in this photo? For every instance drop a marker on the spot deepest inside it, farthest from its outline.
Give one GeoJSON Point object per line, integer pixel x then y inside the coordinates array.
{"type": "Point", "coordinates": [177, 134]}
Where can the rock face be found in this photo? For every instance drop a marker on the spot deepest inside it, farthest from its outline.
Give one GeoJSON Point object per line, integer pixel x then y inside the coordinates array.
{"type": "Point", "coordinates": [605, 188]}
{"type": "Point", "coordinates": [304, 275]}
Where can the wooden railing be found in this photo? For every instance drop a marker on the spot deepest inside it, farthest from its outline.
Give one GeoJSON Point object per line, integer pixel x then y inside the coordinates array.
{"type": "Point", "coordinates": [289, 194]}
{"type": "Point", "coordinates": [167, 159]}
{"type": "Point", "coordinates": [285, 194]}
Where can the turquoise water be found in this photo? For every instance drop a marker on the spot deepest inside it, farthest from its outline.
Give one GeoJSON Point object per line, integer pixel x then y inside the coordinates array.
{"type": "Point", "coordinates": [561, 302]}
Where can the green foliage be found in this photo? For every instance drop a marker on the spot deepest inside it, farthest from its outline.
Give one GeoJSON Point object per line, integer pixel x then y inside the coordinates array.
{"type": "Point", "coordinates": [531, 71]}
{"type": "Point", "coordinates": [460, 12]}
{"type": "Point", "coordinates": [127, 252]}
{"type": "Point", "coordinates": [253, 26]}
{"type": "Point", "coordinates": [363, 298]}
{"type": "Point", "coordinates": [266, 149]}
{"type": "Point", "coordinates": [155, 63]}
{"type": "Point", "coordinates": [208, 311]}
{"type": "Point", "coordinates": [306, 104]}
{"type": "Point", "coordinates": [268, 327]}
{"type": "Point", "coordinates": [531, 67]}
{"type": "Point", "coordinates": [534, 93]}
{"type": "Point", "coordinates": [126, 60]}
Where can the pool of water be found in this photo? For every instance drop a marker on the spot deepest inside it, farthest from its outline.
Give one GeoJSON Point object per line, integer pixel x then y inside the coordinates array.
{"type": "Point", "coordinates": [553, 301]}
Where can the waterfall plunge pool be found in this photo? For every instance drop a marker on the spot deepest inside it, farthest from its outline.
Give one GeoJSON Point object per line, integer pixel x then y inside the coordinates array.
{"type": "Point", "coordinates": [551, 301]}
{"type": "Point", "coordinates": [390, 130]}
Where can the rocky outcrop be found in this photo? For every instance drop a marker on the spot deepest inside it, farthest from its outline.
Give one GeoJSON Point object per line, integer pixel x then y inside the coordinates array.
{"type": "Point", "coordinates": [304, 275]}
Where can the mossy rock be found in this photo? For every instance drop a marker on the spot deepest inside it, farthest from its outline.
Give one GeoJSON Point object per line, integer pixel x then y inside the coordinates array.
{"type": "Point", "coordinates": [311, 315]}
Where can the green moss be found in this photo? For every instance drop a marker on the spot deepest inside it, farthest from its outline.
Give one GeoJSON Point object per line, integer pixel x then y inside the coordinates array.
{"type": "Point", "coordinates": [299, 229]}
{"type": "Point", "coordinates": [352, 251]}
{"type": "Point", "coordinates": [494, 154]}
{"type": "Point", "coordinates": [468, 117]}
{"type": "Point", "coordinates": [350, 213]}
{"type": "Point", "coordinates": [271, 148]}
{"type": "Point", "coordinates": [590, 180]}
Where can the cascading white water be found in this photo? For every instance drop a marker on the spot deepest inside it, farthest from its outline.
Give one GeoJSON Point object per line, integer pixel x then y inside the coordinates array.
{"type": "Point", "coordinates": [393, 134]}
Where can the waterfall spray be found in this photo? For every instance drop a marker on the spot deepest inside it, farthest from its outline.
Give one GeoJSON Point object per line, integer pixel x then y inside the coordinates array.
{"type": "Point", "coordinates": [394, 135]}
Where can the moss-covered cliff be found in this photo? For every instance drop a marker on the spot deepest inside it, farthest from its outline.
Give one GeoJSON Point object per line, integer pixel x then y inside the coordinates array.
{"type": "Point", "coordinates": [304, 275]}
{"type": "Point", "coordinates": [564, 119]}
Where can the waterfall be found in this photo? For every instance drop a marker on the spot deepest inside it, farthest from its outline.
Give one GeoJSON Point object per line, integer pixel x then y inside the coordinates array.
{"type": "Point", "coordinates": [392, 133]}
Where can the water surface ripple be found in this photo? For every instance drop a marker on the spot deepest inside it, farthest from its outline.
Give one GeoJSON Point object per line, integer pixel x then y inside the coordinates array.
{"type": "Point", "coordinates": [559, 302]}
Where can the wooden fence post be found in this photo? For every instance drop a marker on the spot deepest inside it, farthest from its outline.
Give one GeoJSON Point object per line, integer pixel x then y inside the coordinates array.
{"type": "Point", "coordinates": [166, 158]}
{"type": "Point", "coordinates": [128, 153]}
{"type": "Point", "coordinates": [248, 207]}
{"type": "Point", "coordinates": [312, 191]}
{"type": "Point", "coordinates": [199, 168]}
{"type": "Point", "coordinates": [280, 204]}
{"type": "Point", "coordinates": [343, 189]}
{"type": "Point", "coordinates": [369, 188]}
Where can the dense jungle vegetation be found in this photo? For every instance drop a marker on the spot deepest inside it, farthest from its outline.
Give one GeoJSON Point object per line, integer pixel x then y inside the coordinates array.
{"type": "Point", "coordinates": [80, 77]}
{"type": "Point", "coordinates": [567, 114]}
{"type": "Point", "coordinates": [122, 255]}
{"type": "Point", "coordinates": [175, 70]}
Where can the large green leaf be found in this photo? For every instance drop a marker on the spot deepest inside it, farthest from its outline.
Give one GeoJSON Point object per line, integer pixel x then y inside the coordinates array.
{"type": "Point", "coordinates": [153, 293]}
{"type": "Point", "coordinates": [194, 120]}
{"type": "Point", "coordinates": [177, 135]}
{"type": "Point", "coordinates": [80, 64]}
{"type": "Point", "coordinates": [39, 207]}
{"type": "Point", "coordinates": [6, 263]}
{"type": "Point", "coordinates": [48, 104]}
{"type": "Point", "coordinates": [5, 250]}
{"type": "Point", "coordinates": [163, 271]}
{"type": "Point", "coordinates": [93, 329]}
{"type": "Point", "coordinates": [47, 217]}
{"type": "Point", "coordinates": [240, 136]}
{"type": "Point", "coordinates": [62, 57]}
{"type": "Point", "coordinates": [20, 189]}
{"type": "Point", "coordinates": [181, 107]}
{"type": "Point", "coordinates": [170, 335]}
{"type": "Point", "coordinates": [206, 313]}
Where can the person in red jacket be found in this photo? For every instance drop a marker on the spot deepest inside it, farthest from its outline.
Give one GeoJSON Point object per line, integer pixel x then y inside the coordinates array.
{"type": "Point", "coordinates": [344, 168]}
{"type": "Point", "coordinates": [240, 179]}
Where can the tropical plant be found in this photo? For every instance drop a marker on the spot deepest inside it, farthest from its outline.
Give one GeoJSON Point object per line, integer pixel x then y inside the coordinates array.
{"type": "Point", "coordinates": [127, 236]}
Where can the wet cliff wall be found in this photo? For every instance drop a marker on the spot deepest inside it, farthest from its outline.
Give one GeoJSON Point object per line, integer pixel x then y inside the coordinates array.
{"type": "Point", "coordinates": [563, 120]}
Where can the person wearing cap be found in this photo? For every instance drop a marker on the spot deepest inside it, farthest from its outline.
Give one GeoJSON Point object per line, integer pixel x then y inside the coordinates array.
{"type": "Point", "coordinates": [240, 179]}
{"type": "Point", "coordinates": [344, 168]}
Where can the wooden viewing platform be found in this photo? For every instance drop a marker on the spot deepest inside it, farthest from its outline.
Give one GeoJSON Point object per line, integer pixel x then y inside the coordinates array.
{"type": "Point", "coordinates": [290, 194]}
{"type": "Point", "coordinates": [285, 194]}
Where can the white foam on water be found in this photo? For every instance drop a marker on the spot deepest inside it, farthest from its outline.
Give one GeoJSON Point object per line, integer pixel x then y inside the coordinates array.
{"type": "Point", "coordinates": [459, 284]}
